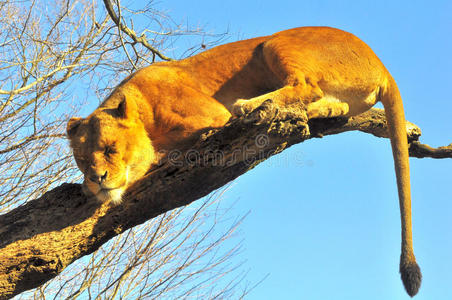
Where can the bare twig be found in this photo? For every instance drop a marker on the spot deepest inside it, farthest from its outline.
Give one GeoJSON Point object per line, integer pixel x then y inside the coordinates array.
{"type": "Point", "coordinates": [138, 39]}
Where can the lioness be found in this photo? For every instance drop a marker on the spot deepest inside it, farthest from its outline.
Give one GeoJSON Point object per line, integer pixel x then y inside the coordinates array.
{"type": "Point", "coordinates": [159, 107]}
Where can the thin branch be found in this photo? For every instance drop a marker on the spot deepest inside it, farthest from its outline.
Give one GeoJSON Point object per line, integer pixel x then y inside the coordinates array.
{"type": "Point", "coordinates": [422, 150]}
{"type": "Point", "coordinates": [122, 40]}
{"type": "Point", "coordinates": [138, 39]}
{"type": "Point", "coordinates": [40, 79]}
{"type": "Point", "coordinates": [29, 139]}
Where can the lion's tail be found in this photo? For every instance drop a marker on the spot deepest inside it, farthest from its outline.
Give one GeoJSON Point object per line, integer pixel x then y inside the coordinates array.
{"type": "Point", "coordinates": [392, 102]}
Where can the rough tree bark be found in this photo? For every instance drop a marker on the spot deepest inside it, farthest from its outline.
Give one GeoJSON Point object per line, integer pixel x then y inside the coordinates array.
{"type": "Point", "coordinates": [39, 239]}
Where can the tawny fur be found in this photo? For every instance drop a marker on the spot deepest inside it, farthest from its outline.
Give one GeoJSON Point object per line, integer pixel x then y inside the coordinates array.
{"type": "Point", "coordinates": [161, 107]}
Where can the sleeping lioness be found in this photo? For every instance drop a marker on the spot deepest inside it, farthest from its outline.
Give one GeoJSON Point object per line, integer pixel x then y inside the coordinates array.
{"type": "Point", "coordinates": [159, 107]}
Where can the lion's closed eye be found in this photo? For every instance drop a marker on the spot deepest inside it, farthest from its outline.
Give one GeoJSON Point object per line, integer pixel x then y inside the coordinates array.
{"type": "Point", "coordinates": [110, 150]}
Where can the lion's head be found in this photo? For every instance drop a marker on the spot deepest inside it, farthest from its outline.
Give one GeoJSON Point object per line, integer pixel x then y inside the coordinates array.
{"type": "Point", "coordinates": [111, 148]}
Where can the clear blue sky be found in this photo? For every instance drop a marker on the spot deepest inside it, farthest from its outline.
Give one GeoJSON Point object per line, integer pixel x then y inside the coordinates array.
{"type": "Point", "coordinates": [324, 220]}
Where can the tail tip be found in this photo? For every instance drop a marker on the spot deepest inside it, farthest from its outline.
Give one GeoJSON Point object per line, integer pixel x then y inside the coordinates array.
{"type": "Point", "coordinates": [411, 276]}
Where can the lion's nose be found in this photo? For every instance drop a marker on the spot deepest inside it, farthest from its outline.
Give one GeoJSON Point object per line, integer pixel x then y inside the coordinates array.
{"type": "Point", "coordinates": [98, 178]}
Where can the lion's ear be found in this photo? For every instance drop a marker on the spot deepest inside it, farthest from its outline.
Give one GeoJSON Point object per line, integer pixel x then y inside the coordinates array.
{"type": "Point", "coordinates": [122, 108]}
{"type": "Point", "coordinates": [72, 126]}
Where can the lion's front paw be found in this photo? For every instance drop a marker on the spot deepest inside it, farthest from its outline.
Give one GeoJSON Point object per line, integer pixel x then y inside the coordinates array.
{"type": "Point", "coordinates": [242, 107]}
{"type": "Point", "coordinates": [239, 108]}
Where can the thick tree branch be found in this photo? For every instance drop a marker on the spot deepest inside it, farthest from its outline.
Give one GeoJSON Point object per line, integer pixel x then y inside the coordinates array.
{"type": "Point", "coordinates": [38, 240]}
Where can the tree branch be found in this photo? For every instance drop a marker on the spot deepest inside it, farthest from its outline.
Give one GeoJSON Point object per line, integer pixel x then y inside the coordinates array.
{"type": "Point", "coordinates": [137, 39]}
{"type": "Point", "coordinates": [39, 239]}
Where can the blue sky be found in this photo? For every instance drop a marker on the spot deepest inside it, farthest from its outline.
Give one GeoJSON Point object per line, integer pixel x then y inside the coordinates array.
{"type": "Point", "coordinates": [324, 221]}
